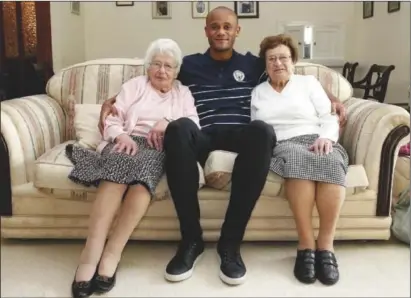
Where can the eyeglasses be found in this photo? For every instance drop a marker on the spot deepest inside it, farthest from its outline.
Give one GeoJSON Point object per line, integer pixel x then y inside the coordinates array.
{"type": "Point", "coordinates": [157, 66]}
{"type": "Point", "coordinates": [283, 59]}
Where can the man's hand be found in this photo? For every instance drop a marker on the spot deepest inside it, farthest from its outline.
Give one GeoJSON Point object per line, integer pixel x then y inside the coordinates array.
{"type": "Point", "coordinates": [336, 106]}
{"type": "Point", "coordinates": [107, 109]}
{"type": "Point", "coordinates": [339, 109]}
{"type": "Point", "coordinates": [155, 137]}
{"type": "Point", "coordinates": [124, 143]}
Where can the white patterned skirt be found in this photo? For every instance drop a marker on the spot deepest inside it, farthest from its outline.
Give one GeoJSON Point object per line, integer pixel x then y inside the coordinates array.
{"type": "Point", "coordinates": [293, 159]}
{"type": "Point", "coordinates": [90, 167]}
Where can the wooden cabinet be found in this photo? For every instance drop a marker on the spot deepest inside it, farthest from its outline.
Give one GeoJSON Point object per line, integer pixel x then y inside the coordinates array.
{"type": "Point", "coordinates": [25, 48]}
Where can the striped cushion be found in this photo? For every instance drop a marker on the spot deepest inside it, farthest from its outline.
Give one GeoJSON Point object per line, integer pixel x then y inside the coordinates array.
{"type": "Point", "coordinates": [91, 82]}
{"type": "Point", "coordinates": [330, 79]}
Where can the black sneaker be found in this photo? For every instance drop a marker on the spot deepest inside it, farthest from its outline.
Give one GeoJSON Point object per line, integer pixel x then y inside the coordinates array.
{"type": "Point", "coordinates": [232, 268]}
{"type": "Point", "coordinates": [182, 264]}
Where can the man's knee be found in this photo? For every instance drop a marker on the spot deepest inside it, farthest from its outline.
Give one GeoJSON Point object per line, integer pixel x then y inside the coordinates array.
{"type": "Point", "coordinates": [262, 131]}
{"type": "Point", "coordinates": [179, 128]}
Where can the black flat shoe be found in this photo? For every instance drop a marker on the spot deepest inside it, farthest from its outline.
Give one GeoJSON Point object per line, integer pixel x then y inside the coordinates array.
{"type": "Point", "coordinates": [82, 289]}
{"type": "Point", "coordinates": [304, 268]}
{"type": "Point", "coordinates": [104, 284]}
{"type": "Point", "coordinates": [326, 267]}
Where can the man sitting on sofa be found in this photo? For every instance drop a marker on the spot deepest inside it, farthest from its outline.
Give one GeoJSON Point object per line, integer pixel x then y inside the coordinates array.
{"type": "Point", "coordinates": [221, 81]}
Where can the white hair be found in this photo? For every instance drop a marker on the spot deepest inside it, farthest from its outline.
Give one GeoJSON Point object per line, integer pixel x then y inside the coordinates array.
{"type": "Point", "coordinates": [164, 46]}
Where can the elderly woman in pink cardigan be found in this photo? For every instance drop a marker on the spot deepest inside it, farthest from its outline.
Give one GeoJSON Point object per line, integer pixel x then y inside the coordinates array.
{"type": "Point", "coordinates": [129, 163]}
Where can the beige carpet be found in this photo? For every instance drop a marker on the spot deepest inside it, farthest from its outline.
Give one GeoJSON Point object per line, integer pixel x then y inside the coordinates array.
{"type": "Point", "coordinates": [46, 269]}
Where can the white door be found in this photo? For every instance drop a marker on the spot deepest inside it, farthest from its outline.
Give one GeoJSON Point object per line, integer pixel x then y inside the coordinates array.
{"type": "Point", "coordinates": [297, 34]}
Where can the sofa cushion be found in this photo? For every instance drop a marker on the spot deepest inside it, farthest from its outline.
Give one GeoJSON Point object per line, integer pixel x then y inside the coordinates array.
{"type": "Point", "coordinates": [53, 167]}
{"type": "Point", "coordinates": [219, 166]}
{"type": "Point", "coordinates": [86, 120]}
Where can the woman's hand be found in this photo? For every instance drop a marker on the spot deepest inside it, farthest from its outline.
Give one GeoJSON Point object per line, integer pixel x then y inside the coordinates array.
{"type": "Point", "coordinates": [155, 137]}
{"type": "Point", "coordinates": [124, 143]}
{"type": "Point", "coordinates": [322, 145]}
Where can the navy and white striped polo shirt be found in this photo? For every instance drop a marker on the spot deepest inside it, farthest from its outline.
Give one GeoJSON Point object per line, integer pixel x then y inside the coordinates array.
{"type": "Point", "coordinates": [221, 89]}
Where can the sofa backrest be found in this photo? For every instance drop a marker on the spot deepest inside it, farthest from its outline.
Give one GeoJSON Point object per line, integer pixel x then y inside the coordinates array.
{"type": "Point", "coordinates": [330, 79]}
{"type": "Point", "coordinates": [91, 82]}
{"type": "Point", "coordinates": [94, 81]}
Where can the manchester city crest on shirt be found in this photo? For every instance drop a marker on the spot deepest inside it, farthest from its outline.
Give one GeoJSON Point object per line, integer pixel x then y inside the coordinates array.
{"type": "Point", "coordinates": [239, 76]}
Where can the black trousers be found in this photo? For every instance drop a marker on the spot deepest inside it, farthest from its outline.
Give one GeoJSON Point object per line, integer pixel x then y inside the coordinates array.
{"type": "Point", "coordinates": [185, 144]}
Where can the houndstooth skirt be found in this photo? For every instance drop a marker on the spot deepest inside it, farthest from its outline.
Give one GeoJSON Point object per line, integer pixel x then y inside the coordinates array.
{"type": "Point", "coordinates": [90, 167]}
{"type": "Point", "coordinates": [292, 159]}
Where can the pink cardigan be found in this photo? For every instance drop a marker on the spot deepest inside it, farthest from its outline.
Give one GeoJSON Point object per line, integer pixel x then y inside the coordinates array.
{"type": "Point", "coordinates": [140, 106]}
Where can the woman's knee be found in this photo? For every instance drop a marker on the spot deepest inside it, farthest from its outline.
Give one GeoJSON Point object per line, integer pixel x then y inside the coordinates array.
{"type": "Point", "coordinates": [330, 190]}
{"type": "Point", "coordinates": [297, 187]}
{"type": "Point", "coordinates": [112, 187]}
{"type": "Point", "coordinates": [136, 192]}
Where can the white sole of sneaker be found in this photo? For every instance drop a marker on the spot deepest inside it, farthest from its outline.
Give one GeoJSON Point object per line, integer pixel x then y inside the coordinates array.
{"type": "Point", "coordinates": [183, 276]}
{"type": "Point", "coordinates": [228, 280]}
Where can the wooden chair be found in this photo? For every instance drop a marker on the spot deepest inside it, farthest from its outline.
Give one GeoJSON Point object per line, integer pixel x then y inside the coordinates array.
{"type": "Point", "coordinates": [349, 71]}
{"type": "Point", "coordinates": [378, 89]}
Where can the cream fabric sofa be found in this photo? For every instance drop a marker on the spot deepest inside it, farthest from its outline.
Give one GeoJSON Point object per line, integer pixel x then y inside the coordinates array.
{"type": "Point", "coordinates": [401, 180]}
{"type": "Point", "coordinates": [42, 203]}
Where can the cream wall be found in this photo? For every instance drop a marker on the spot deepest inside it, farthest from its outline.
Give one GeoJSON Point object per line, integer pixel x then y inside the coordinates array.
{"type": "Point", "coordinates": [127, 31]}
{"type": "Point", "coordinates": [384, 39]}
{"type": "Point", "coordinates": [67, 35]}
{"type": "Point", "coordinates": [104, 30]}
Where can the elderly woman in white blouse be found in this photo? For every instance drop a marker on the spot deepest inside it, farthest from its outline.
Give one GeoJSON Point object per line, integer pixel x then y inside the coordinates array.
{"type": "Point", "coordinates": [307, 155]}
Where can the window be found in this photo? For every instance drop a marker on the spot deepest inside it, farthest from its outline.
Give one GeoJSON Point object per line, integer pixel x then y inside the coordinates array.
{"type": "Point", "coordinates": [308, 42]}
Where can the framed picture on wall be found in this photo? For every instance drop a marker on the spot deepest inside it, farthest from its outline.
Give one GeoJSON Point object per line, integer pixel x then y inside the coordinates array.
{"type": "Point", "coordinates": [199, 9]}
{"type": "Point", "coordinates": [393, 6]}
{"type": "Point", "coordinates": [246, 9]}
{"type": "Point", "coordinates": [75, 7]}
{"type": "Point", "coordinates": [367, 9]}
{"type": "Point", "coordinates": [124, 3]}
{"type": "Point", "coordinates": [161, 9]}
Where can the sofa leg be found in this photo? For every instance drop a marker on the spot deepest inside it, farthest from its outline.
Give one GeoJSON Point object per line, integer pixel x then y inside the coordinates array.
{"type": "Point", "coordinates": [5, 181]}
{"type": "Point", "coordinates": [387, 168]}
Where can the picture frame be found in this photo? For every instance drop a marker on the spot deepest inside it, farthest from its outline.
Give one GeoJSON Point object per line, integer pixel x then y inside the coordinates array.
{"type": "Point", "coordinates": [200, 9]}
{"type": "Point", "coordinates": [367, 9]}
{"type": "Point", "coordinates": [161, 9]}
{"type": "Point", "coordinates": [75, 7]}
{"type": "Point", "coordinates": [247, 9]}
{"type": "Point", "coordinates": [124, 3]}
{"type": "Point", "coordinates": [393, 6]}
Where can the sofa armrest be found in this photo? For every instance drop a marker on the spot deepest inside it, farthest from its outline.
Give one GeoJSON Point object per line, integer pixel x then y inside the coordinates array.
{"type": "Point", "coordinates": [29, 127]}
{"type": "Point", "coordinates": [372, 137]}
